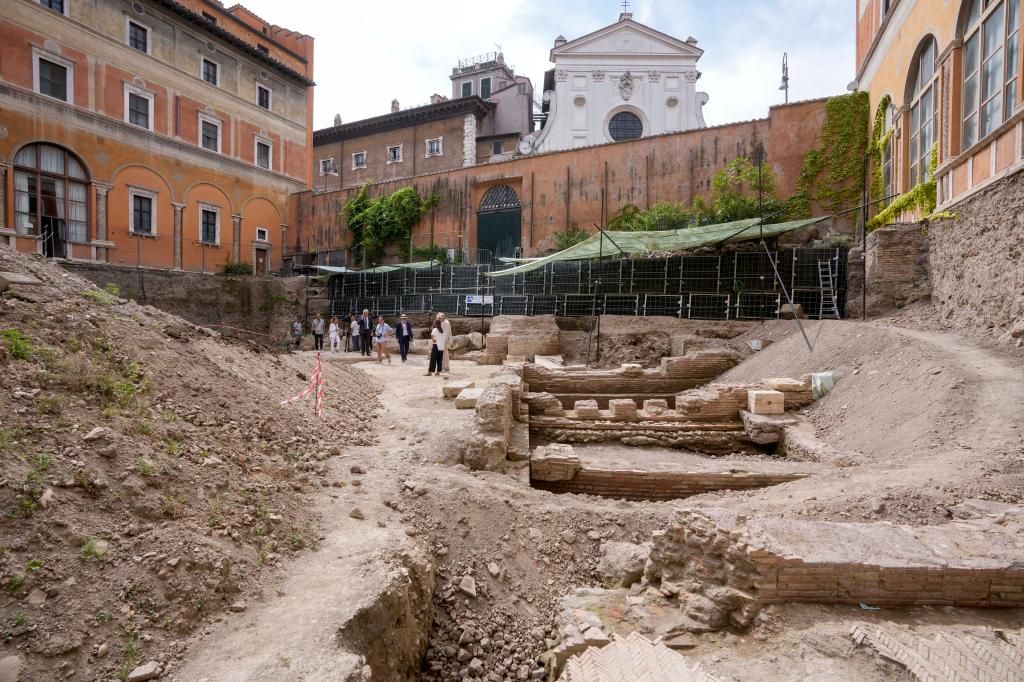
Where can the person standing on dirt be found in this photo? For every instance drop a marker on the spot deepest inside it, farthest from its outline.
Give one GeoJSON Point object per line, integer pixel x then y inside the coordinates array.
{"type": "Point", "coordinates": [353, 331]}
{"type": "Point", "coordinates": [447, 327]}
{"type": "Point", "coordinates": [318, 333]}
{"type": "Point", "coordinates": [437, 345]}
{"type": "Point", "coordinates": [380, 339]}
{"type": "Point", "coordinates": [365, 332]}
{"type": "Point", "coordinates": [347, 319]}
{"type": "Point", "coordinates": [334, 334]}
{"type": "Point", "coordinates": [297, 332]}
{"type": "Point", "coordinates": [404, 336]}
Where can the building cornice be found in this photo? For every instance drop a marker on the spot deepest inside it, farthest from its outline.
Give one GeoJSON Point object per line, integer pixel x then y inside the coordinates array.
{"type": "Point", "coordinates": [402, 119]}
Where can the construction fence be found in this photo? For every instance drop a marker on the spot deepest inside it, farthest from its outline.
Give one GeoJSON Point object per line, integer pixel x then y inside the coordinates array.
{"type": "Point", "coordinates": [736, 285]}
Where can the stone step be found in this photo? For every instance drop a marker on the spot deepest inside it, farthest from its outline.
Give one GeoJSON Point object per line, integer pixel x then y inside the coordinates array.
{"type": "Point", "coordinates": [466, 399]}
{"type": "Point", "coordinates": [454, 388]}
{"type": "Point", "coordinates": [519, 442]}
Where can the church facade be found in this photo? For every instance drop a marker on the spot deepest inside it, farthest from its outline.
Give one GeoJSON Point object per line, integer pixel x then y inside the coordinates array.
{"type": "Point", "coordinates": [622, 82]}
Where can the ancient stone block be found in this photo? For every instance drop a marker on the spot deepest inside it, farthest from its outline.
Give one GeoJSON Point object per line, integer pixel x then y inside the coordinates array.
{"type": "Point", "coordinates": [494, 410]}
{"type": "Point", "coordinates": [791, 311]}
{"type": "Point", "coordinates": [630, 369]}
{"type": "Point", "coordinates": [453, 388]}
{"type": "Point", "coordinates": [765, 428]}
{"type": "Point", "coordinates": [656, 406]}
{"type": "Point", "coordinates": [555, 462]}
{"type": "Point", "coordinates": [623, 408]}
{"type": "Point", "coordinates": [622, 563]}
{"type": "Point", "coordinates": [467, 397]}
{"type": "Point", "coordinates": [787, 385]}
{"type": "Point", "coordinates": [766, 402]}
{"type": "Point", "coordinates": [486, 452]}
{"type": "Point", "coordinates": [587, 409]}
{"type": "Point", "coordinates": [543, 403]}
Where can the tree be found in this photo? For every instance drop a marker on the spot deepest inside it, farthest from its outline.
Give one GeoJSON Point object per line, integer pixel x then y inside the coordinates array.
{"type": "Point", "coordinates": [376, 223]}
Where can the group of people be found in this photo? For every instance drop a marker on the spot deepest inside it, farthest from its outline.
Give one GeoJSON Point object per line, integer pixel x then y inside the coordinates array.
{"type": "Point", "coordinates": [361, 333]}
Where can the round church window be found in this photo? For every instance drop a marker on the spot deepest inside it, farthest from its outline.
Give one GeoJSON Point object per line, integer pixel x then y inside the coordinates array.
{"type": "Point", "coordinates": [625, 125]}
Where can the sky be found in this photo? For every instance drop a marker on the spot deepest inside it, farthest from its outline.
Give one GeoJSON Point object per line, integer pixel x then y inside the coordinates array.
{"type": "Point", "coordinates": [368, 53]}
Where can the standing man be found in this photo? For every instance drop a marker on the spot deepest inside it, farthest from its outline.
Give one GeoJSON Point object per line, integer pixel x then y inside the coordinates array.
{"type": "Point", "coordinates": [318, 332]}
{"type": "Point", "coordinates": [346, 321]}
{"type": "Point", "coordinates": [446, 326]}
{"type": "Point", "coordinates": [365, 332]}
{"type": "Point", "coordinates": [297, 332]}
{"type": "Point", "coordinates": [404, 336]}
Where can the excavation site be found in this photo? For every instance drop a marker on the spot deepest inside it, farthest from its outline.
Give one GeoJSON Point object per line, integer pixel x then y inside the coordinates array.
{"type": "Point", "coordinates": [659, 497]}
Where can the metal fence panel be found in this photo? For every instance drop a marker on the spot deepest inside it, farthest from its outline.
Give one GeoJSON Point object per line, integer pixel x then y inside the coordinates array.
{"type": "Point", "coordinates": [707, 307]}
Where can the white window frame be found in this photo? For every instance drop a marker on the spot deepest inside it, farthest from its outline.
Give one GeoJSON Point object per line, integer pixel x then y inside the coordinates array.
{"type": "Point", "coordinates": [199, 223]}
{"type": "Point", "coordinates": [331, 159]}
{"type": "Point", "coordinates": [440, 146]}
{"type": "Point", "coordinates": [38, 54]}
{"type": "Point", "coordinates": [220, 131]}
{"type": "Point", "coordinates": [130, 89]}
{"type": "Point", "coordinates": [152, 194]}
{"type": "Point", "coordinates": [270, 96]}
{"type": "Point", "coordinates": [365, 158]}
{"type": "Point", "coordinates": [462, 86]}
{"type": "Point", "coordinates": [389, 159]}
{"type": "Point", "coordinates": [202, 61]}
{"type": "Point", "coordinates": [128, 21]}
{"type": "Point", "coordinates": [63, 12]}
{"type": "Point", "coordinates": [480, 86]}
{"type": "Point", "coordinates": [255, 149]}
{"type": "Point", "coordinates": [266, 235]}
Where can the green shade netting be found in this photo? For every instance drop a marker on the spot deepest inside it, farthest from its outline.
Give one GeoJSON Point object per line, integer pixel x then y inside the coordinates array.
{"type": "Point", "coordinates": [661, 241]}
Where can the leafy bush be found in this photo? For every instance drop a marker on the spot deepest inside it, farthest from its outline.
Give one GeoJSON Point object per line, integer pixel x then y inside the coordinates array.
{"type": "Point", "coordinates": [17, 344]}
{"type": "Point", "coordinates": [570, 236]}
{"type": "Point", "coordinates": [98, 296]}
{"type": "Point", "coordinates": [376, 223]}
{"type": "Point", "coordinates": [664, 215]}
{"type": "Point", "coordinates": [436, 253]}
{"type": "Point", "coordinates": [237, 268]}
{"type": "Point", "coordinates": [112, 289]}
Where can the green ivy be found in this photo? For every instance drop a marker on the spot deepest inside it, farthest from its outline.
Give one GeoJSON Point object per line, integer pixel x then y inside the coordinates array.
{"type": "Point", "coordinates": [876, 150]}
{"type": "Point", "coordinates": [832, 174]}
{"type": "Point", "coordinates": [376, 223]}
{"type": "Point", "coordinates": [921, 198]}
{"type": "Point", "coordinates": [571, 236]}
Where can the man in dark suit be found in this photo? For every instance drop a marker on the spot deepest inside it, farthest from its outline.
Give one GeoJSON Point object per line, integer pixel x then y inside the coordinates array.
{"type": "Point", "coordinates": [365, 332]}
{"type": "Point", "coordinates": [403, 332]}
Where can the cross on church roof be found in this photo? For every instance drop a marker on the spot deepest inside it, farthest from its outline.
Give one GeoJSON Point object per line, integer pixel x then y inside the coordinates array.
{"type": "Point", "coordinates": [625, 6]}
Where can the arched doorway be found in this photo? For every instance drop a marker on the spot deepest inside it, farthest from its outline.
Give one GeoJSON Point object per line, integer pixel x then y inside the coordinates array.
{"type": "Point", "coordinates": [498, 224]}
{"type": "Point", "coordinates": [51, 197]}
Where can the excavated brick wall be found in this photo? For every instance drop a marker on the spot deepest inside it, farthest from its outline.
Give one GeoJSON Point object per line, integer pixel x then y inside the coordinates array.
{"type": "Point", "coordinates": [659, 485]}
{"type": "Point", "coordinates": [674, 375]}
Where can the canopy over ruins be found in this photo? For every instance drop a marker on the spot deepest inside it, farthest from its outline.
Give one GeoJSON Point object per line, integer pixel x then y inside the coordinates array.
{"type": "Point", "coordinates": [607, 242]}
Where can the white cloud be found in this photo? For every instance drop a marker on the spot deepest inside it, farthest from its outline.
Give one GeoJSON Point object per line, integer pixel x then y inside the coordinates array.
{"type": "Point", "coordinates": [369, 53]}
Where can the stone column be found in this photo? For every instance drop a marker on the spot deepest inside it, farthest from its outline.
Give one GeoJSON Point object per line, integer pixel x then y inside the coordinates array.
{"type": "Point", "coordinates": [469, 141]}
{"type": "Point", "coordinates": [236, 236]}
{"type": "Point", "coordinates": [284, 244]}
{"type": "Point", "coordinates": [178, 210]}
{"type": "Point", "coordinates": [102, 218]}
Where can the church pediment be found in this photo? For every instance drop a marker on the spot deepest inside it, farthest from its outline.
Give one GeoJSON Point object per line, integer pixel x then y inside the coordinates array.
{"type": "Point", "coordinates": [626, 37]}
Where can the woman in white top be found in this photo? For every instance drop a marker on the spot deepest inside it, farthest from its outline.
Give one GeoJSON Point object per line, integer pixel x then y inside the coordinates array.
{"type": "Point", "coordinates": [380, 338]}
{"type": "Point", "coordinates": [354, 329]}
{"type": "Point", "coordinates": [334, 333]}
{"type": "Point", "coordinates": [438, 340]}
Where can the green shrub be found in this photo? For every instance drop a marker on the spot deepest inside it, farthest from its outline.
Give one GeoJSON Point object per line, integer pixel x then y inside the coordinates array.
{"type": "Point", "coordinates": [571, 236]}
{"type": "Point", "coordinates": [17, 344]}
{"type": "Point", "coordinates": [99, 296]}
{"type": "Point", "coordinates": [237, 268]}
{"type": "Point", "coordinates": [112, 289]}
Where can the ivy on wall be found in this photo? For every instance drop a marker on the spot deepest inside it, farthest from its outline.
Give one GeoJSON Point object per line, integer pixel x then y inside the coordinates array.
{"type": "Point", "coordinates": [832, 175]}
{"type": "Point", "coordinates": [386, 220]}
{"type": "Point", "coordinates": [879, 142]}
{"type": "Point", "coordinates": [920, 199]}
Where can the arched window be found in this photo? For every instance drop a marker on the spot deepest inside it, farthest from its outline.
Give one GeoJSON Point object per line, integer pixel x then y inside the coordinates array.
{"type": "Point", "coordinates": [887, 160]}
{"type": "Point", "coordinates": [51, 197]}
{"type": "Point", "coordinates": [923, 113]}
{"type": "Point", "coordinates": [991, 44]}
{"type": "Point", "coordinates": [625, 125]}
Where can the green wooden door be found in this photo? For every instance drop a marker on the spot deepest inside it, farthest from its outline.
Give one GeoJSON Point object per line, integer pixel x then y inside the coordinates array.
{"type": "Point", "coordinates": [497, 233]}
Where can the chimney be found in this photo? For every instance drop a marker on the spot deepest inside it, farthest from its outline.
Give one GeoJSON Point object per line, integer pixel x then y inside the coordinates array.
{"type": "Point", "coordinates": [560, 40]}
{"type": "Point", "coordinates": [625, 15]}
{"type": "Point", "coordinates": [394, 106]}
{"type": "Point", "coordinates": [437, 99]}
{"type": "Point", "coordinates": [337, 120]}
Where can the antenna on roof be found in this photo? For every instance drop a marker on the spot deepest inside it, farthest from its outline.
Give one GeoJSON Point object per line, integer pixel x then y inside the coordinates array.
{"type": "Point", "coordinates": [785, 75]}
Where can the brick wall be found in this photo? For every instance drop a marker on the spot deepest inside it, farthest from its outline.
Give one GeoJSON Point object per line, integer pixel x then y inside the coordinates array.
{"type": "Point", "coordinates": [658, 485]}
{"type": "Point", "coordinates": [896, 270]}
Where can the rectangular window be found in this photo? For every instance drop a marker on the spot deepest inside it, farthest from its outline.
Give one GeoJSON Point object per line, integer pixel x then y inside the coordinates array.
{"type": "Point", "coordinates": [210, 71]}
{"type": "Point", "coordinates": [262, 234]}
{"type": "Point", "coordinates": [496, 147]}
{"type": "Point", "coordinates": [263, 48]}
{"type": "Point", "coordinates": [138, 110]}
{"type": "Point", "coordinates": [394, 153]}
{"type": "Point", "coordinates": [55, 5]}
{"type": "Point", "coordinates": [263, 96]}
{"type": "Point", "coordinates": [262, 154]}
{"type": "Point", "coordinates": [209, 134]}
{"type": "Point", "coordinates": [467, 89]}
{"type": "Point", "coordinates": [208, 226]}
{"type": "Point", "coordinates": [485, 88]}
{"type": "Point", "coordinates": [358, 160]}
{"type": "Point", "coordinates": [971, 77]}
{"type": "Point", "coordinates": [327, 166]}
{"type": "Point", "coordinates": [434, 146]}
{"type": "Point", "coordinates": [142, 214]}
{"type": "Point", "coordinates": [138, 37]}
{"type": "Point", "coordinates": [53, 79]}
{"type": "Point", "coordinates": [992, 72]}
{"type": "Point", "coordinates": [209, 17]}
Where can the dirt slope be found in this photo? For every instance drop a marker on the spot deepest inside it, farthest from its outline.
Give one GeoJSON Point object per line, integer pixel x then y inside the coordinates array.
{"type": "Point", "coordinates": [149, 475]}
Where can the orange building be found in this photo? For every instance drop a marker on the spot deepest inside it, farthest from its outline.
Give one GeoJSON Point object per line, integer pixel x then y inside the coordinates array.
{"type": "Point", "coordinates": [944, 75]}
{"type": "Point", "coordinates": [159, 133]}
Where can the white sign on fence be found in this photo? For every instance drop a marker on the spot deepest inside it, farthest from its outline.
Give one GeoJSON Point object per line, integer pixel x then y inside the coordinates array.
{"type": "Point", "coordinates": [479, 300]}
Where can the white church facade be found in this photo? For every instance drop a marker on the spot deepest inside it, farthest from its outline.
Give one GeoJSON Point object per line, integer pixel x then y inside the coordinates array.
{"type": "Point", "coordinates": [621, 82]}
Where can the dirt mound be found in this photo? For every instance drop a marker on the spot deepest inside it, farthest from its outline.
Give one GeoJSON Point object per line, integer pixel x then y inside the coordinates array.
{"type": "Point", "coordinates": [149, 474]}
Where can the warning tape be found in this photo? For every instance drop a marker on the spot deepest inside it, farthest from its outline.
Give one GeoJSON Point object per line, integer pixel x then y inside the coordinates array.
{"type": "Point", "coordinates": [315, 388]}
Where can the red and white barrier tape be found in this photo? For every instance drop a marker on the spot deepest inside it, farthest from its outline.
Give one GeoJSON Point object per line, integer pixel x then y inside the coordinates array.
{"type": "Point", "coordinates": [315, 388]}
